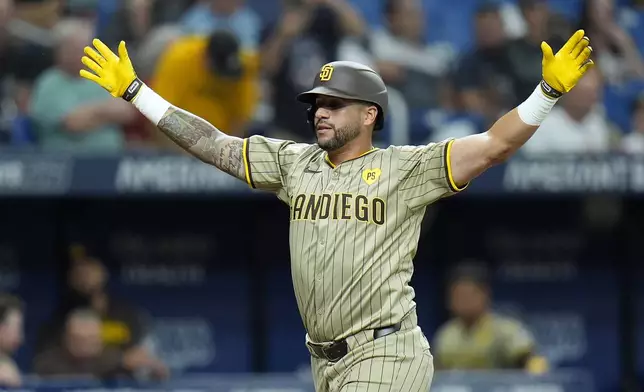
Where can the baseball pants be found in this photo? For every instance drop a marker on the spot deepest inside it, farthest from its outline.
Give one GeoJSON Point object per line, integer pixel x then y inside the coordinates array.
{"type": "Point", "coordinates": [400, 362]}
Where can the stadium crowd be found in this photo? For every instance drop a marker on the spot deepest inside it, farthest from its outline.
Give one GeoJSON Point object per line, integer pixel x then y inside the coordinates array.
{"type": "Point", "coordinates": [452, 68]}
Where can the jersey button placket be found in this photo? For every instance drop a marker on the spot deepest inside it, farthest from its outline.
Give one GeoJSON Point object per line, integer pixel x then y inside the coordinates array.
{"type": "Point", "coordinates": [334, 179]}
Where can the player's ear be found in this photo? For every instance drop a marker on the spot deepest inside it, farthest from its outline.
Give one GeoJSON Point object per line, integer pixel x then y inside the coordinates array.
{"type": "Point", "coordinates": [371, 115]}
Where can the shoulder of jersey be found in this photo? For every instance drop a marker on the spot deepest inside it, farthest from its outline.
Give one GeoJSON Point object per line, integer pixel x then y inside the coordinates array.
{"type": "Point", "coordinates": [310, 152]}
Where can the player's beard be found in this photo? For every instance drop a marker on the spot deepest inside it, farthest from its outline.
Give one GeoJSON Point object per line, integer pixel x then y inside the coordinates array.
{"type": "Point", "coordinates": [341, 136]}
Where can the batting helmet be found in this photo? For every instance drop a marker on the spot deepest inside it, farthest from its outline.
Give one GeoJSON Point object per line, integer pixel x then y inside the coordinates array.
{"type": "Point", "coordinates": [348, 80]}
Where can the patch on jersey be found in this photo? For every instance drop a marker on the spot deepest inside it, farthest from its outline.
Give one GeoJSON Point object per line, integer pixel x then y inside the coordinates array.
{"type": "Point", "coordinates": [371, 175]}
{"type": "Point", "coordinates": [326, 72]}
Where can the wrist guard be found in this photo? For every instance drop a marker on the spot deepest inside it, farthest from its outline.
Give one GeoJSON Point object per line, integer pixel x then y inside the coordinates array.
{"type": "Point", "coordinates": [132, 90]}
{"type": "Point", "coordinates": [549, 91]}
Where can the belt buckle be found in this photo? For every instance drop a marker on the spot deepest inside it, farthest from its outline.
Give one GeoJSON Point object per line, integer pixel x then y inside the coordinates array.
{"type": "Point", "coordinates": [336, 350]}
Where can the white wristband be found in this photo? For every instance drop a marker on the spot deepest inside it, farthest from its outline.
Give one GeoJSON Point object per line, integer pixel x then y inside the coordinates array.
{"type": "Point", "coordinates": [534, 110]}
{"type": "Point", "coordinates": [151, 104]}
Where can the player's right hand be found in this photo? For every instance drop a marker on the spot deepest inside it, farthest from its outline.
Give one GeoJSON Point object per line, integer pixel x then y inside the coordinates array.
{"type": "Point", "coordinates": [113, 73]}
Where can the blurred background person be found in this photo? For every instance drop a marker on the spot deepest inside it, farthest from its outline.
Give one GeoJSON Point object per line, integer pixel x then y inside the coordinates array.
{"type": "Point", "coordinates": [81, 351]}
{"type": "Point", "coordinates": [148, 26]}
{"type": "Point", "coordinates": [123, 327]}
{"type": "Point", "coordinates": [477, 338]}
{"type": "Point", "coordinates": [68, 113]}
{"type": "Point", "coordinates": [618, 57]}
{"type": "Point", "coordinates": [525, 53]}
{"type": "Point", "coordinates": [405, 60]}
{"type": "Point", "coordinates": [483, 74]}
{"type": "Point", "coordinates": [309, 34]}
{"type": "Point", "coordinates": [133, 21]}
{"type": "Point", "coordinates": [31, 31]}
{"type": "Point", "coordinates": [206, 16]}
{"type": "Point", "coordinates": [25, 52]}
{"type": "Point", "coordinates": [578, 124]}
{"type": "Point", "coordinates": [11, 338]}
{"type": "Point", "coordinates": [212, 77]}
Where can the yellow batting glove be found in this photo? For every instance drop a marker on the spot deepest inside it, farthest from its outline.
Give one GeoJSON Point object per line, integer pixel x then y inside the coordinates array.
{"type": "Point", "coordinates": [562, 71]}
{"type": "Point", "coordinates": [114, 73]}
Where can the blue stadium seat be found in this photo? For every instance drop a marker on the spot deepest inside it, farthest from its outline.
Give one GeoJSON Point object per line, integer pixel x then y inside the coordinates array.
{"type": "Point", "coordinates": [617, 102]}
{"type": "Point", "coordinates": [633, 22]}
{"type": "Point", "coordinates": [22, 132]}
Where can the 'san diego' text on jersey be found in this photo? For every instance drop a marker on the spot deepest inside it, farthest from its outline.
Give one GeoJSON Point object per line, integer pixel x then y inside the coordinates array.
{"type": "Point", "coordinates": [343, 206]}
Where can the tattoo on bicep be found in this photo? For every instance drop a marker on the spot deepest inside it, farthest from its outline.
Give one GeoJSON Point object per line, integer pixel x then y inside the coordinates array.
{"type": "Point", "coordinates": [204, 141]}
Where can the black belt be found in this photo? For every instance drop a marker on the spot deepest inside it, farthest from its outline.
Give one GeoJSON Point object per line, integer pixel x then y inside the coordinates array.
{"type": "Point", "coordinates": [336, 350]}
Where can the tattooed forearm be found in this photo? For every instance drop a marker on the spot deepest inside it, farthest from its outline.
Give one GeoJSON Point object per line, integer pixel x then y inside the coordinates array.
{"type": "Point", "coordinates": [204, 141]}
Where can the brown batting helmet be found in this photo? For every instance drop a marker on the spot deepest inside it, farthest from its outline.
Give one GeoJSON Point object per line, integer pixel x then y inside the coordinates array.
{"type": "Point", "coordinates": [348, 80]}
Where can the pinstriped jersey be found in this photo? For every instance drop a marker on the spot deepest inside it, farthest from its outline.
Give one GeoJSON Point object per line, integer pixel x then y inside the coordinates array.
{"type": "Point", "coordinates": [354, 227]}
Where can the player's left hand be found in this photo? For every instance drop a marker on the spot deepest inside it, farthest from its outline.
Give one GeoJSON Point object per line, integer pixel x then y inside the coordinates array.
{"type": "Point", "coordinates": [562, 71]}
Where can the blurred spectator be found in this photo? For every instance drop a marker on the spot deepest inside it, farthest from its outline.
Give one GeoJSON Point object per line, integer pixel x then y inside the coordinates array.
{"type": "Point", "coordinates": [524, 54]}
{"type": "Point", "coordinates": [207, 16]}
{"type": "Point", "coordinates": [148, 27]}
{"type": "Point", "coordinates": [11, 321]}
{"type": "Point", "coordinates": [133, 21]}
{"type": "Point", "coordinates": [69, 112]}
{"type": "Point", "coordinates": [31, 32]}
{"type": "Point", "coordinates": [130, 22]}
{"type": "Point", "coordinates": [614, 49]}
{"type": "Point", "coordinates": [148, 52]}
{"type": "Point", "coordinates": [309, 34]}
{"type": "Point", "coordinates": [405, 61]}
{"type": "Point", "coordinates": [476, 338]}
{"type": "Point", "coordinates": [81, 352]}
{"type": "Point", "coordinates": [633, 142]}
{"type": "Point", "coordinates": [7, 103]}
{"type": "Point", "coordinates": [122, 326]}
{"type": "Point", "coordinates": [211, 77]}
{"type": "Point", "coordinates": [577, 124]}
{"type": "Point", "coordinates": [483, 78]}
{"type": "Point", "coordinates": [25, 51]}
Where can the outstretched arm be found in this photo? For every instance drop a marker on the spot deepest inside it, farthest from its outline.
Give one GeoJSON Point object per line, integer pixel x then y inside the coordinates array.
{"type": "Point", "coordinates": [200, 138]}
{"type": "Point", "coordinates": [203, 140]}
{"type": "Point", "coordinates": [472, 155]}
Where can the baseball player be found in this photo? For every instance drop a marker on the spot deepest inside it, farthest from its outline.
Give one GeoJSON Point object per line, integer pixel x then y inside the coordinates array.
{"type": "Point", "coordinates": [355, 210]}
